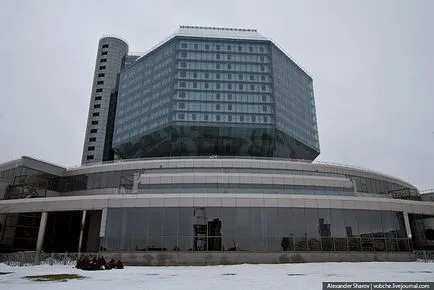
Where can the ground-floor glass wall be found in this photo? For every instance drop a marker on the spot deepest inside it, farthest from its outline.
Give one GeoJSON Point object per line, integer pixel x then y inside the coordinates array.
{"type": "Point", "coordinates": [253, 229]}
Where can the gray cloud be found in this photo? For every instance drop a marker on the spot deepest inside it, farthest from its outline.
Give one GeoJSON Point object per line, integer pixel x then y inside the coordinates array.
{"type": "Point", "coordinates": [371, 62]}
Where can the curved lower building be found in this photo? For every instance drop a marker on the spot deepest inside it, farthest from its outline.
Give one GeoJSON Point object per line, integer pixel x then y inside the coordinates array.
{"type": "Point", "coordinates": [213, 210]}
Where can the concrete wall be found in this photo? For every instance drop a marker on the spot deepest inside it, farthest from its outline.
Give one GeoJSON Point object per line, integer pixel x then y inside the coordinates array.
{"type": "Point", "coordinates": [229, 258]}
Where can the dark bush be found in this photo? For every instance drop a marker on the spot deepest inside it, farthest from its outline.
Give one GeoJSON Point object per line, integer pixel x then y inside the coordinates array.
{"type": "Point", "coordinates": [84, 263]}
{"type": "Point", "coordinates": [119, 264]}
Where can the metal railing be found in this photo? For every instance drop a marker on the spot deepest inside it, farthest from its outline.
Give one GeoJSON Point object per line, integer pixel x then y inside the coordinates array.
{"type": "Point", "coordinates": [427, 191]}
{"type": "Point", "coordinates": [216, 157]}
{"type": "Point", "coordinates": [27, 258]}
{"type": "Point", "coordinates": [424, 256]}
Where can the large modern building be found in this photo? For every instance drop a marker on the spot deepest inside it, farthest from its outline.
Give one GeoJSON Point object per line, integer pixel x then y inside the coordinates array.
{"type": "Point", "coordinates": [203, 91]}
{"type": "Point", "coordinates": [201, 152]}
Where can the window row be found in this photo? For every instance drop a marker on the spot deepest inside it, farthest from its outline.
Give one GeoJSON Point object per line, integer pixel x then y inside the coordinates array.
{"type": "Point", "coordinates": [123, 133]}
{"type": "Point", "coordinates": [254, 229]}
{"type": "Point", "coordinates": [224, 86]}
{"type": "Point", "coordinates": [222, 57]}
{"type": "Point", "coordinates": [140, 116]}
{"type": "Point", "coordinates": [224, 47]}
{"type": "Point", "coordinates": [208, 96]}
{"type": "Point", "coordinates": [222, 118]}
{"type": "Point", "coordinates": [224, 76]}
{"type": "Point", "coordinates": [201, 106]}
{"type": "Point", "coordinates": [251, 68]}
{"type": "Point", "coordinates": [141, 124]}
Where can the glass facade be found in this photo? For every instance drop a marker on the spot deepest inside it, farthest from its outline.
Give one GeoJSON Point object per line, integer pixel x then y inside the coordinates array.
{"type": "Point", "coordinates": [253, 229]}
{"type": "Point", "coordinates": [201, 96]}
{"type": "Point", "coordinates": [20, 182]}
{"type": "Point", "coordinates": [295, 104]}
{"type": "Point", "coordinates": [145, 90]}
{"type": "Point", "coordinates": [223, 82]}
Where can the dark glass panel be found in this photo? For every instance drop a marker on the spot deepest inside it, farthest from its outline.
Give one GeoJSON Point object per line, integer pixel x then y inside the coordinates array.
{"type": "Point", "coordinates": [392, 245]}
{"type": "Point", "coordinates": [376, 222]}
{"type": "Point", "coordinates": [363, 221]}
{"type": "Point", "coordinates": [312, 225]}
{"type": "Point", "coordinates": [139, 227]}
{"type": "Point", "coordinates": [140, 242]}
{"type": "Point", "coordinates": [327, 244]}
{"type": "Point", "coordinates": [276, 244]}
{"type": "Point", "coordinates": [94, 180]}
{"type": "Point", "coordinates": [110, 244]}
{"type": "Point", "coordinates": [300, 244]}
{"type": "Point", "coordinates": [229, 223]}
{"type": "Point", "coordinates": [324, 223]}
{"type": "Point", "coordinates": [113, 223]}
{"type": "Point", "coordinates": [200, 229]}
{"type": "Point", "coordinates": [354, 244]}
{"type": "Point", "coordinates": [351, 225]}
{"type": "Point", "coordinates": [170, 221]}
{"type": "Point", "coordinates": [243, 229]}
{"type": "Point", "coordinates": [338, 223]}
{"type": "Point", "coordinates": [126, 242]}
{"type": "Point", "coordinates": [185, 243]}
{"type": "Point", "coordinates": [314, 244]}
{"type": "Point", "coordinates": [341, 244]}
{"type": "Point", "coordinates": [229, 243]}
{"type": "Point", "coordinates": [404, 245]}
{"type": "Point", "coordinates": [380, 245]}
{"type": "Point", "coordinates": [128, 227]}
{"type": "Point", "coordinates": [237, 140]}
{"type": "Point", "coordinates": [185, 221]}
{"type": "Point", "coordinates": [214, 243]}
{"type": "Point", "coordinates": [155, 229]}
{"type": "Point", "coordinates": [170, 243]}
{"type": "Point", "coordinates": [257, 230]}
{"type": "Point", "coordinates": [387, 219]}
{"type": "Point", "coordinates": [244, 243]}
{"type": "Point", "coordinates": [292, 222]}
{"type": "Point", "coordinates": [367, 244]}
{"type": "Point", "coordinates": [399, 225]}
{"type": "Point", "coordinates": [214, 221]}
{"type": "Point", "coordinates": [107, 179]}
{"type": "Point", "coordinates": [271, 222]}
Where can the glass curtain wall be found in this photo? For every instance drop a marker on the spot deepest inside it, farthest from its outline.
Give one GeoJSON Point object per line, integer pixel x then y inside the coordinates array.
{"type": "Point", "coordinates": [253, 229]}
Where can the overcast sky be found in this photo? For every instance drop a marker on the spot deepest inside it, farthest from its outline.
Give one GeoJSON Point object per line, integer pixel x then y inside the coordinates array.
{"type": "Point", "coordinates": [372, 63]}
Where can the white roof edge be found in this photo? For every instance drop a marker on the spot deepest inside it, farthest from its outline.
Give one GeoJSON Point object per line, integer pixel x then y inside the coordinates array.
{"type": "Point", "coordinates": [224, 33]}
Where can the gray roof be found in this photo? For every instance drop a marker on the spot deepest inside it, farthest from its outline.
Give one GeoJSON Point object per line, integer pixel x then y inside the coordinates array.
{"type": "Point", "coordinates": [33, 163]}
{"type": "Point", "coordinates": [218, 32]}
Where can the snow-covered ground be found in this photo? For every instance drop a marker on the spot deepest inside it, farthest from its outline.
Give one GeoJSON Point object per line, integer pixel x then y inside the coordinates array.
{"type": "Point", "coordinates": [283, 276]}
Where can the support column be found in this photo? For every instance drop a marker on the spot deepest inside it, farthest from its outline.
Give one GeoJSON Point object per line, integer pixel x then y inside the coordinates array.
{"type": "Point", "coordinates": [102, 242]}
{"type": "Point", "coordinates": [41, 235]}
{"type": "Point", "coordinates": [80, 241]}
{"type": "Point", "coordinates": [136, 181]}
{"type": "Point", "coordinates": [407, 225]}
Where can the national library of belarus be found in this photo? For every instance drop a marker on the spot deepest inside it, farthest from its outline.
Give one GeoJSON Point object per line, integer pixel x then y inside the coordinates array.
{"type": "Point", "coordinates": [201, 151]}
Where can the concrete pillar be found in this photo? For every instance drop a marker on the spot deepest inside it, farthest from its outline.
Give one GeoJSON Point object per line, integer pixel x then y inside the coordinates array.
{"type": "Point", "coordinates": [407, 225]}
{"type": "Point", "coordinates": [2, 223]}
{"type": "Point", "coordinates": [102, 228]}
{"type": "Point", "coordinates": [136, 181]}
{"type": "Point", "coordinates": [80, 241]}
{"type": "Point", "coordinates": [41, 235]}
